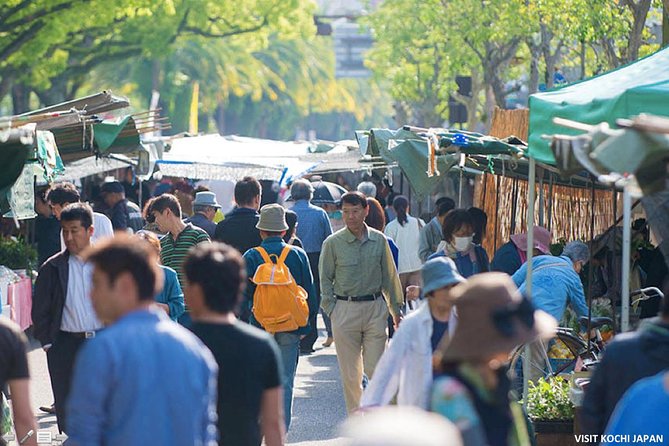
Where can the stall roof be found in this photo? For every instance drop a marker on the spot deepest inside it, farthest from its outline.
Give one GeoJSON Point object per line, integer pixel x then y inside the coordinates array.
{"type": "Point", "coordinates": [640, 87]}
{"type": "Point", "coordinates": [232, 157]}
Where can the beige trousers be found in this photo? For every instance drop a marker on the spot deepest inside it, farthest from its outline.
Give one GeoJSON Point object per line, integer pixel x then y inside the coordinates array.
{"type": "Point", "coordinates": [359, 330]}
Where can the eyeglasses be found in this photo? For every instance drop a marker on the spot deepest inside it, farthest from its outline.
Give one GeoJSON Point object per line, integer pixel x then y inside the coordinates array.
{"type": "Point", "coordinates": [503, 318]}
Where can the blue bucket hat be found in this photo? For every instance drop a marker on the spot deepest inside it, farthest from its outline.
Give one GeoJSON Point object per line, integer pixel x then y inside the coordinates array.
{"type": "Point", "coordinates": [438, 273]}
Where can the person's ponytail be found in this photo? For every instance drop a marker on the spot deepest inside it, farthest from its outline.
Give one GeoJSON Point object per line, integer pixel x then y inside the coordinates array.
{"type": "Point", "coordinates": [401, 204]}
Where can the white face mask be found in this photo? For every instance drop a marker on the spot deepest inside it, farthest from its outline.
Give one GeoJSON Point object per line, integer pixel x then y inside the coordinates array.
{"type": "Point", "coordinates": [462, 244]}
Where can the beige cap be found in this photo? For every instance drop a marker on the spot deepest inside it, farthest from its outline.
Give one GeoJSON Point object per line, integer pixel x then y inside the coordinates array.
{"type": "Point", "coordinates": [272, 218]}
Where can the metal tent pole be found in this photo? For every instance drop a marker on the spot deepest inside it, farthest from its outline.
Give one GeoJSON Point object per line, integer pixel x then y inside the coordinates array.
{"type": "Point", "coordinates": [627, 236]}
{"type": "Point", "coordinates": [528, 280]}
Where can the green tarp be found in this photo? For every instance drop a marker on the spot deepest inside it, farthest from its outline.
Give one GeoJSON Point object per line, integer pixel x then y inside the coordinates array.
{"type": "Point", "coordinates": [640, 87]}
{"type": "Point", "coordinates": [409, 150]}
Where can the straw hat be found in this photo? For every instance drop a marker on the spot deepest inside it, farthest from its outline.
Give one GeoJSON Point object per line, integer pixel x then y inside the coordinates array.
{"type": "Point", "coordinates": [493, 318]}
{"type": "Point", "coordinates": [272, 218]}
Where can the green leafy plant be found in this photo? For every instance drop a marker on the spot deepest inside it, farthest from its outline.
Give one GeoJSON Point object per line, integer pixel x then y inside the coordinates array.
{"type": "Point", "coordinates": [549, 400]}
{"type": "Point", "coordinates": [16, 254]}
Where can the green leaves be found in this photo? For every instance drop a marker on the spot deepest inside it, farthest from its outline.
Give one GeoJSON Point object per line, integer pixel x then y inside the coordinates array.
{"type": "Point", "coordinates": [549, 400]}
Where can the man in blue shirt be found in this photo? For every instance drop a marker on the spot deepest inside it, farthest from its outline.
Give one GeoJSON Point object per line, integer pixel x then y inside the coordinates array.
{"type": "Point", "coordinates": [272, 226]}
{"type": "Point", "coordinates": [313, 227]}
{"type": "Point", "coordinates": [144, 379]}
{"type": "Point", "coordinates": [556, 281]}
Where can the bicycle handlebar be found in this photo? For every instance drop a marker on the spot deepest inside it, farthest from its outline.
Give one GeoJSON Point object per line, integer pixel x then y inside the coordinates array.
{"type": "Point", "coordinates": [644, 294]}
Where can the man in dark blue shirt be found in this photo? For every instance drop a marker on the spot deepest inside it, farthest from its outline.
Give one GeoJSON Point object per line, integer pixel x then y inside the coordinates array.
{"type": "Point", "coordinates": [250, 397]}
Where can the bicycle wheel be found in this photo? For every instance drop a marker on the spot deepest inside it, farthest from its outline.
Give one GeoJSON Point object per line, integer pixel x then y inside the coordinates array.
{"type": "Point", "coordinates": [560, 354]}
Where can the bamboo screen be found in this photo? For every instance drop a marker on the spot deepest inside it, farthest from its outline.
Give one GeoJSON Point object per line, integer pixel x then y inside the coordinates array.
{"type": "Point", "coordinates": [567, 210]}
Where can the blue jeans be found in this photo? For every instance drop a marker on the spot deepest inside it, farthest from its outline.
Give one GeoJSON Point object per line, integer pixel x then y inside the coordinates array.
{"type": "Point", "coordinates": [289, 346]}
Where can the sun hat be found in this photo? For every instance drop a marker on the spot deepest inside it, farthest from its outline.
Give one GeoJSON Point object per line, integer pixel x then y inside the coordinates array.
{"type": "Point", "coordinates": [493, 318]}
{"type": "Point", "coordinates": [542, 240]}
{"type": "Point", "coordinates": [438, 273]}
{"type": "Point", "coordinates": [206, 198]}
{"type": "Point", "coordinates": [272, 218]}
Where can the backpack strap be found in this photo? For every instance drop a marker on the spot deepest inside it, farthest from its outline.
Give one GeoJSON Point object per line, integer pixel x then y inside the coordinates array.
{"type": "Point", "coordinates": [263, 254]}
{"type": "Point", "coordinates": [284, 254]}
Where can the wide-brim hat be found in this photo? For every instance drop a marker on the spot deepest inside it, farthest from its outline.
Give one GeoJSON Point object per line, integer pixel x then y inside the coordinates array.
{"type": "Point", "coordinates": [493, 318]}
{"type": "Point", "coordinates": [272, 218]}
{"type": "Point", "coordinates": [206, 198]}
{"type": "Point", "coordinates": [438, 273]}
{"type": "Point", "coordinates": [542, 240]}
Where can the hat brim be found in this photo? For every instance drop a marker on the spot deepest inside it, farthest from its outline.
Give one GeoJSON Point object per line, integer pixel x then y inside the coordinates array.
{"type": "Point", "coordinates": [261, 228]}
{"type": "Point", "coordinates": [443, 282]}
{"type": "Point", "coordinates": [464, 348]}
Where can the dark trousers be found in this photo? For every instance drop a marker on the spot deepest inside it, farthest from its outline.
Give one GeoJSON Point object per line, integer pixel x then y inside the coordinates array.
{"type": "Point", "coordinates": [307, 343]}
{"type": "Point", "coordinates": [60, 359]}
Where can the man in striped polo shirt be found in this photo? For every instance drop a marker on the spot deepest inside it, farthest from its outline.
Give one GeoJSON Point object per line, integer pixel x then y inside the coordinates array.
{"type": "Point", "coordinates": [178, 239]}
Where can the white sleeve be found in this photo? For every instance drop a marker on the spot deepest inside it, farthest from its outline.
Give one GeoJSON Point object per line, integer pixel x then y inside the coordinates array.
{"type": "Point", "coordinates": [102, 226]}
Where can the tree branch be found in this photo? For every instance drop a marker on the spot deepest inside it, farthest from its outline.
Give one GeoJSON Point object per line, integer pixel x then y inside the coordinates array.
{"type": "Point", "coordinates": [11, 11]}
{"type": "Point", "coordinates": [8, 26]}
{"type": "Point", "coordinates": [235, 32]}
{"type": "Point", "coordinates": [20, 40]}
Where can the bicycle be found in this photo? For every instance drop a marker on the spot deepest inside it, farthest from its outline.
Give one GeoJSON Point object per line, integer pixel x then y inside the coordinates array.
{"type": "Point", "coordinates": [571, 346]}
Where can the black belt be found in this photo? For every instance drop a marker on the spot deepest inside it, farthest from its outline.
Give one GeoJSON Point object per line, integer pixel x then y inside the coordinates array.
{"type": "Point", "coordinates": [365, 298]}
{"type": "Point", "coordinates": [81, 334]}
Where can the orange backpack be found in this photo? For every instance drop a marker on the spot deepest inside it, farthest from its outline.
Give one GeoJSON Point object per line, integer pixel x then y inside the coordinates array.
{"type": "Point", "coordinates": [279, 303]}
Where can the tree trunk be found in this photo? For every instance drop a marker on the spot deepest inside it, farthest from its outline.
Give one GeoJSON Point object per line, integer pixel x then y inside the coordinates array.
{"type": "Point", "coordinates": [535, 54]}
{"type": "Point", "coordinates": [640, 13]}
{"type": "Point", "coordinates": [665, 23]}
{"type": "Point", "coordinates": [20, 98]}
{"type": "Point", "coordinates": [56, 94]}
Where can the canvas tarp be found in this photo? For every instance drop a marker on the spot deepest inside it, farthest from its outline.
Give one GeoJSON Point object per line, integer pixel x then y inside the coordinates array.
{"type": "Point", "coordinates": [215, 157]}
{"type": "Point", "coordinates": [640, 87]}
{"type": "Point", "coordinates": [411, 152]}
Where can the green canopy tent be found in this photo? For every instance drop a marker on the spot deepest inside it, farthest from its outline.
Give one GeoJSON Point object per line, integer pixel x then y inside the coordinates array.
{"type": "Point", "coordinates": [409, 149]}
{"type": "Point", "coordinates": [640, 87]}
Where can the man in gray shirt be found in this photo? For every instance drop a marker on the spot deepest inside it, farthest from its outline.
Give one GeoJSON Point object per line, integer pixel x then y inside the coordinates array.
{"type": "Point", "coordinates": [431, 234]}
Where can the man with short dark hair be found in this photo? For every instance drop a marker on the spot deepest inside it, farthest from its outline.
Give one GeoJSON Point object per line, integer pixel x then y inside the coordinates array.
{"type": "Point", "coordinates": [627, 359]}
{"type": "Point", "coordinates": [204, 210]}
{"type": "Point", "coordinates": [62, 314]}
{"type": "Point", "coordinates": [359, 286]}
{"type": "Point", "coordinates": [62, 194]}
{"type": "Point", "coordinates": [431, 234]}
{"type": "Point", "coordinates": [272, 226]}
{"type": "Point", "coordinates": [179, 237]}
{"type": "Point", "coordinates": [124, 214]}
{"type": "Point", "coordinates": [313, 228]}
{"type": "Point", "coordinates": [250, 401]}
{"type": "Point", "coordinates": [238, 229]}
{"type": "Point", "coordinates": [144, 380]}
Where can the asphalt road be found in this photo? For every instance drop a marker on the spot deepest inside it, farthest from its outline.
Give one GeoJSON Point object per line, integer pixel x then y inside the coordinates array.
{"type": "Point", "coordinates": [318, 408]}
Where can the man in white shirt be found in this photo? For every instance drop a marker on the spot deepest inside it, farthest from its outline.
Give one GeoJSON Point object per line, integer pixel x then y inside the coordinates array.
{"type": "Point", "coordinates": [62, 312]}
{"type": "Point", "coordinates": [62, 194]}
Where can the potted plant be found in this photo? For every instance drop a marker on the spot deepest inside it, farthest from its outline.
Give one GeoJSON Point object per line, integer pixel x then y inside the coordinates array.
{"type": "Point", "coordinates": [551, 412]}
{"type": "Point", "coordinates": [16, 254]}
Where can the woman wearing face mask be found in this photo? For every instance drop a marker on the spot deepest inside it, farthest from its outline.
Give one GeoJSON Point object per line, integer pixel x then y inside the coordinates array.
{"type": "Point", "coordinates": [458, 244]}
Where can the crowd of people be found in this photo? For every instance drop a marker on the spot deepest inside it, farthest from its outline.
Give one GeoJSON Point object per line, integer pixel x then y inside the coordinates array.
{"type": "Point", "coordinates": [199, 321]}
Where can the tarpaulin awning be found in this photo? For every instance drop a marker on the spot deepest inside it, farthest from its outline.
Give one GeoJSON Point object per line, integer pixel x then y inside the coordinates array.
{"type": "Point", "coordinates": [216, 157]}
{"type": "Point", "coordinates": [15, 149]}
{"type": "Point", "coordinates": [640, 87]}
{"type": "Point", "coordinates": [423, 156]}
{"type": "Point", "coordinates": [96, 103]}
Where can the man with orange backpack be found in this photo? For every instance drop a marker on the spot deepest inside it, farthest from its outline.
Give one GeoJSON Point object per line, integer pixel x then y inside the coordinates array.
{"type": "Point", "coordinates": [280, 293]}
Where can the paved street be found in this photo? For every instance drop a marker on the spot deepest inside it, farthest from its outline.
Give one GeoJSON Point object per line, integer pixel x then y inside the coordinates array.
{"type": "Point", "coordinates": [318, 408]}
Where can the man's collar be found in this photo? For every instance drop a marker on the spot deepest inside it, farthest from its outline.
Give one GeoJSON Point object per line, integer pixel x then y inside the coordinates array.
{"type": "Point", "coordinates": [350, 237]}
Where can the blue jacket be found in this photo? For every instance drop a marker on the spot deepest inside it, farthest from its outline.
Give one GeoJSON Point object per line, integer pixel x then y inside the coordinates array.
{"type": "Point", "coordinates": [554, 283]}
{"type": "Point", "coordinates": [171, 293]}
{"type": "Point", "coordinates": [298, 264]}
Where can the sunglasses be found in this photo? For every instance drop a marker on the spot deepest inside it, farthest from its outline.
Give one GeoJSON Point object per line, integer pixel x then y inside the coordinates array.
{"type": "Point", "coordinates": [504, 317]}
